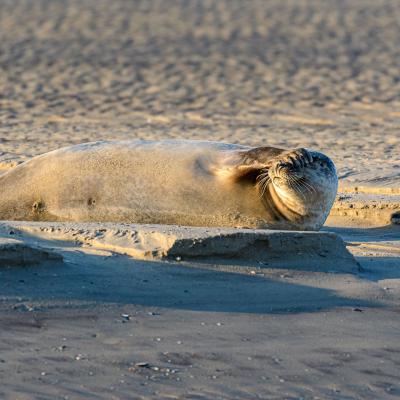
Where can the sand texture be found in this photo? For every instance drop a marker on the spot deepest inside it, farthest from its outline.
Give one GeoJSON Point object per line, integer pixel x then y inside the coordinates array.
{"type": "Point", "coordinates": [366, 209]}
{"type": "Point", "coordinates": [19, 253]}
{"type": "Point", "coordinates": [319, 251]}
{"type": "Point", "coordinates": [101, 324]}
{"type": "Point", "coordinates": [317, 74]}
{"type": "Point", "coordinates": [92, 312]}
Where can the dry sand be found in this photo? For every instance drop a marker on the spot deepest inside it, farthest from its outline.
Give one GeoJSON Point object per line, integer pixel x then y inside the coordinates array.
{"type": "Point", "coordinates": [309, 73]}
{"type": "Point", "coordinates": [286, 73]}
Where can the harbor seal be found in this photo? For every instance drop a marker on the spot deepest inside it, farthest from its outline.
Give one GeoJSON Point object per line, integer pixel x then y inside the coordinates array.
{"type": "Point", "coordinates": [184, 182]}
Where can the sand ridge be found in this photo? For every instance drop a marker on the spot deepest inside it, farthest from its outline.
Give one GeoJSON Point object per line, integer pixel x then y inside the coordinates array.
{"type": "Point", "coordinates": [318, 251]}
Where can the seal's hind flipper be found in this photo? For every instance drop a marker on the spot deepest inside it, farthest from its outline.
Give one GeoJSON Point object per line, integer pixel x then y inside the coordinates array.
{"type": "Point", "coordinates": [245, 164]}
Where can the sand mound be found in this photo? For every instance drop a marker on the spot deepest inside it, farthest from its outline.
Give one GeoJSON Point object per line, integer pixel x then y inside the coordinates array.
{"type": "Point", "coordinates": [320, 251]}
{"type": "Point", "coordinates": [365, 208]}
{"type": "Point", "coordinates": [20, 253]}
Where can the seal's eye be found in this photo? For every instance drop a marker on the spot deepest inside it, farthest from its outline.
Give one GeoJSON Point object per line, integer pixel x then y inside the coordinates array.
{"type": "Point", "coordinates": [322, 164]}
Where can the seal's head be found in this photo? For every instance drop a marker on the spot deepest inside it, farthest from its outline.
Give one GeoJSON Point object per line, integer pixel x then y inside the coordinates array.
{"type": "Point", "coordinates": [299, 187]}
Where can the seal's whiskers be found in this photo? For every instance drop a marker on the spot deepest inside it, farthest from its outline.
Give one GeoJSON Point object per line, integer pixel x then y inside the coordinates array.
{"type": "Point", "coordinates": [293, 183]}
{"type": "Point", "coordinates": [262, 182]}
{"type": "Point", "coordinates": [304, 183]}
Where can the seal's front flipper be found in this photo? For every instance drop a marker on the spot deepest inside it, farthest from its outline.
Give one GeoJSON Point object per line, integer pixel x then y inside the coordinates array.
{"type": "Point", "coordinates": [237, 165]}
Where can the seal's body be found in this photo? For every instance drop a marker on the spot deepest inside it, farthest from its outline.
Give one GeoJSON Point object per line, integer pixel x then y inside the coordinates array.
{"type": "Point", "coordinates": [182, 182]}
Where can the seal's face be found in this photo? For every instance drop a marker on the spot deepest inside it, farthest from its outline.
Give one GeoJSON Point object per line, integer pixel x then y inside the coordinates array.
{"type": "Point", "coordinates": [302, 185]}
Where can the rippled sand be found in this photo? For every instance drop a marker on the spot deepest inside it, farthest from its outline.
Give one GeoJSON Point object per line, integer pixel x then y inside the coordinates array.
{"type": "Point", "coordinates": [292, 73]}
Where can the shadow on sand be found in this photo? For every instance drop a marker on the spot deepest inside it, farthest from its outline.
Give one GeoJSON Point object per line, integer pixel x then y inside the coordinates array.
{"type": "Point", "coordinates": [381, 242]}
{"type": "Point", "coordinates": [88, 278]}
{"type": "Point", "coordinates": [379, 234]}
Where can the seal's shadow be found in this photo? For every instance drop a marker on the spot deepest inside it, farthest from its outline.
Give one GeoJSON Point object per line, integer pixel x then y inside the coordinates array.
{"type": "Point", "coordinates": [121, 280]}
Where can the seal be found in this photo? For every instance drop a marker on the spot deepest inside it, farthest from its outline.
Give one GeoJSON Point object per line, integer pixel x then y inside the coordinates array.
{"type": "Point", "coordinates": [184, 182]}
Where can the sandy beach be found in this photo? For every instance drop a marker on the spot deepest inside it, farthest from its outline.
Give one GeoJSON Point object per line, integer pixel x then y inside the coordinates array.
{"type": "Point", "coordinates": [88, 313]}
{"type": "Point", "coordinates": [309, 73]}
